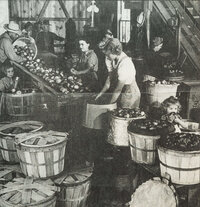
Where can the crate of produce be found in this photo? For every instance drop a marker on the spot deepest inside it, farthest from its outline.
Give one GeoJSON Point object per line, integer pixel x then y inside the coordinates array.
{"type": "Point", "coordinates": [7, 136]}
{"type": "Point", "coordinates": [119, 120]}
{"type": "Point", "coordinates": [143, 137]}
{"type": "Point", "coordinates": [179, 156]}
{"type": "Point", "coordinates": [41, 154]}
{"type": "Point", "coordinates": [158, 91]}
{"type": "Point", "coordinates": [155, 192]}
{"type": "Point", "coordinates": [75, 188]}
{"type": "Point", "coordinates": [26, 192]}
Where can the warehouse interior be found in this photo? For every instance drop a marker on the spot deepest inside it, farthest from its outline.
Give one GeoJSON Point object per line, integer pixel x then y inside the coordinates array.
{"type": "Point", "coordinates": [100, 103]}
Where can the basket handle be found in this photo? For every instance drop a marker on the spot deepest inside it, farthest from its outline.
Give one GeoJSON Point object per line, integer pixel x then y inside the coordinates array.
{"type": "Point", "coordinates": [166, 178]}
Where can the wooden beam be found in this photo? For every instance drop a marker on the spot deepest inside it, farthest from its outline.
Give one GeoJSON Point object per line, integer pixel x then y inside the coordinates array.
{"type": "Point", "coordinates": [188, 32]}
{"type": "Point", "coordinates": [64, 9]}
{"type": "Point", "coordinates": [46, 3]}
{"type": "Point", "coordinates": [48, 18]}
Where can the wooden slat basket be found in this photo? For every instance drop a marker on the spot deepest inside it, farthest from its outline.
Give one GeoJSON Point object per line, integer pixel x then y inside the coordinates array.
{"type": "Point", "coordinates": [25, 192]}
{"type": "Point", "coordinates": [183, 167]}
{"type": "Point", "coordinates": [143, 148]}
{"type": "Point", "coordinates": [22, 105]}
{"type": "Point", "coordinates": [118, 133]}
{"type": "Point", "coordinates": [75, 188]}
{"type": "Point", "coordinates": [7, 136]}
{"type": "Point", "coordinates": [41, 154]}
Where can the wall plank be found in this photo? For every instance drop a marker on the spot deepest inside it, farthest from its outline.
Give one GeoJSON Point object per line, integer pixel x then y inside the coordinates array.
{"type": "Point", "coordinates": [26, 10]}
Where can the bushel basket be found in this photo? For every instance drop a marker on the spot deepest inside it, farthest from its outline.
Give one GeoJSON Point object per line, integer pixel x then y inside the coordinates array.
{"type": "Point", "coordinates": [28, 193]}
{"type": "Point", "coordinates": [41, 154]}
{"type": "Point", "coordinates": [118, 133]}
{"type": "Point", "coordinates": [143, 148]}
{"type": "Point", "coordinates": [183, 167]}
{"type": "Point", "coordinates": [75, 188]}
{"type": "Point", "coordinates": [7, 137]}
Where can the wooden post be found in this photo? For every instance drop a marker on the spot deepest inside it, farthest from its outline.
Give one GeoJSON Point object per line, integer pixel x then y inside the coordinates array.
{"type": "Point", "coordinates": [147, 9]}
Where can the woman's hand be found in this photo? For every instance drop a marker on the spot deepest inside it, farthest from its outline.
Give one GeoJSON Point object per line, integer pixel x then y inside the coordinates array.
{"type": "Point", "coordinates": [74, 72]}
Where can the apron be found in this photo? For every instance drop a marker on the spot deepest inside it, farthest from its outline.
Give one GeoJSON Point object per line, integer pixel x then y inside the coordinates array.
{"type": "Point", "coordinates": [130, 96]}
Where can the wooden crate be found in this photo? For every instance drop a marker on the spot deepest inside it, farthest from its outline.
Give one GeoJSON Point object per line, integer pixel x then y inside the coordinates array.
{"type": "Point", "coordinates": [189, 96]}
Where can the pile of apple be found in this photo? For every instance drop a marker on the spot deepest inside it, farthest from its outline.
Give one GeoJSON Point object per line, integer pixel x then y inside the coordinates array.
{"type": "Point", "coordinates": [56, 78]}
{"type": "Point", "coordinates": [172, 69]}
{"type": "Point", "coordinates": [128, 113]}
{"type": "Point", "coordinates": [24, 51]}
{"type": "Point", "coordinates": [163, 82]}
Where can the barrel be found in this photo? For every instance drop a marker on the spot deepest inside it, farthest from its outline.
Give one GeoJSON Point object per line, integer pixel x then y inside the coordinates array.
{"type": "Point", "coordinates": [21, 105]}
{"type": "Point", "coordinates": [183, 167]}
{"type": "Point", "coordinates": [157, 93]}
{"type": "Point", "coordinates": [41, 154]}
{"type": "Point", "coordinates": [95, 116]}
{"type": "Point", "coordinates": [40, 193]}
{"type": "Point", "coordinates": [118, 133]}
{"type": "Point", "coordinates": [7, 145]}
{"type": "Point", "coordinates": [75, 188]}
{"type": "Point", "coordinates": [143, 147]}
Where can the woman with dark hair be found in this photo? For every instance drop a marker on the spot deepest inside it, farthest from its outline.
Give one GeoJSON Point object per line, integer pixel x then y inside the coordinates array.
{"type": "Point", "coordinates": [87, 66]}
{"type": "Point", "coordinates": [121, 76]}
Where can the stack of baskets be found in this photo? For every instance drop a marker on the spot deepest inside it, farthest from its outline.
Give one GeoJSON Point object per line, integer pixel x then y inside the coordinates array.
{"type": "Point", "coordinates": [8, 133]}
{"type": "Point", "coordinates": [41, 156]}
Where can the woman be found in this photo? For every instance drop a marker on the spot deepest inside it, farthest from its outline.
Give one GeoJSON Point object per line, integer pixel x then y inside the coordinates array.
{"type": "Point", "coordinates": [87, 66]}
{"type": "Point", "coordinates": [121, 76]}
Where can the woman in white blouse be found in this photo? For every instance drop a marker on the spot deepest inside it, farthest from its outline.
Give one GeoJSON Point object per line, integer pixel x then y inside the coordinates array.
{"type": "Point", "coordinates": [121, 76]}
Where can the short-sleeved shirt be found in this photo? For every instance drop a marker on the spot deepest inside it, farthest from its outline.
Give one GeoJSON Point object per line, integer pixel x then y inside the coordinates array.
{"type": "Point", "coordinates": [88, 60]}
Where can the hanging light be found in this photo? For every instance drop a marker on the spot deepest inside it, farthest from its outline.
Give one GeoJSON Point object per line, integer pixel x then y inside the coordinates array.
{"type": "Point", "coordinates": [93, 9]}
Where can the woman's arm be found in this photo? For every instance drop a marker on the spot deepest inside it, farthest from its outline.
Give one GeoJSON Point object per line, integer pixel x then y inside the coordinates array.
{"type": "Point", "coordinates": [117, 91]}
{"type": "Point", "coordinates": [105, 87]}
